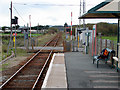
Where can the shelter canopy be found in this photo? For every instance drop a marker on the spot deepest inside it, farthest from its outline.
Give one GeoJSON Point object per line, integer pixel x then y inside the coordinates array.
{"type": "Point", "coordinates": [106, 9]}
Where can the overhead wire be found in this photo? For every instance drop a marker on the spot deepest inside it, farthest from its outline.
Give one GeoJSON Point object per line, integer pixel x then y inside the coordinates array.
{"type": "Point", "coordinates": [45, 4]}
{"type": "Point", "coordinates": [19, 14]}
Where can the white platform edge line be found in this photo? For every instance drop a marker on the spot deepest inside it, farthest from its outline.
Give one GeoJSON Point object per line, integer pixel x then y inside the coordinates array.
{"type": "Point", "coordinates": [48, 72]}
{"type": "Point", "coordinates": [59, 54]}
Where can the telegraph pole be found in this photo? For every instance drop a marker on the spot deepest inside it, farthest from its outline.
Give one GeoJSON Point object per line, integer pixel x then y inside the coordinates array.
{"type": "Point", "coordinates": [84, 13]}
{"type": "Point", "coordinates": [80, 15]}
{"type": "Point", "coordinates": [10, 27]}
{"type": "Point", "coordinates": [11, 16]}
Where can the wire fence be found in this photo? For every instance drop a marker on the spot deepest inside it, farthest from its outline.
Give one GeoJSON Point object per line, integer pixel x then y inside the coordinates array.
{"type": "Point", "coordinates": [102, 44]}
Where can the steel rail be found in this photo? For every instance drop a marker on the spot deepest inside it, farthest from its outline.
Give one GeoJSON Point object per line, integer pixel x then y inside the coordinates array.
{"type": "Point", "coordinates": [23, 66]}
{"type": "Point", "coordinates": [13, 56]}
{"type": "Point", "coordinates": [33, 87]}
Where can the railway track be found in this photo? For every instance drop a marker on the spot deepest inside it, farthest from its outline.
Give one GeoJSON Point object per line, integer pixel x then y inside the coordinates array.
{"type": "Point", "coordinates": [32, 73]}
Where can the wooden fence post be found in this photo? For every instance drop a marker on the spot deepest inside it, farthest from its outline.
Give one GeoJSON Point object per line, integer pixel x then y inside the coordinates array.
{"type": "Point", "coordinates": [106, 43]}
{"type": "Point", "coordinates": [112, 45]}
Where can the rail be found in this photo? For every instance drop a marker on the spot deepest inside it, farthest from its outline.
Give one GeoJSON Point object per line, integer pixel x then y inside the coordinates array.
{"type": "Point", "coordinates": [30, 61]}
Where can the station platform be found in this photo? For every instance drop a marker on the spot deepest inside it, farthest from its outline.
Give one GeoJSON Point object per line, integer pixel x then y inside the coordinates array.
{"type": "Point", "coordinates": [75, 70]}
{"type": "Point", "coordinates": [83, 74]}
{"type": "Point", "coordinates": [56, 75]}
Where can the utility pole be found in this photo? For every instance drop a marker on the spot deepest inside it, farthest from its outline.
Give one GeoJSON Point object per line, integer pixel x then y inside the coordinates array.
{"type": "Point", "coordinates": [84, 8]}
{"type": "Point", "coordinates": [78, 35]}
{"type": "Point", "coordinates": [80, 15]}
{"type": "Point", "coordinates": [10, 27]}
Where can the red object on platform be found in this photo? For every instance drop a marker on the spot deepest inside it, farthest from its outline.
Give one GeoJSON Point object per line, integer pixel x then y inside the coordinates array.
{"type": "Point", "coordinates": [14, 34]}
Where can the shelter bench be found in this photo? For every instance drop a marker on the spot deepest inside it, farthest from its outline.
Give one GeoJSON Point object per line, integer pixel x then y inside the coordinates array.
{"type": "Point", "coordinates": [111, 53]}
{"type": "Point", "coordinates": [116, 62]}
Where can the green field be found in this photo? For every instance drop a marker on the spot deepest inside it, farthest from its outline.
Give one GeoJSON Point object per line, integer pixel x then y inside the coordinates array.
{"type": "Point", "coordinates": [20, 34]}
{"type": "Point", "coordinates": [40, 40]}
{"type": "Point", "coordinates": [113, 38]}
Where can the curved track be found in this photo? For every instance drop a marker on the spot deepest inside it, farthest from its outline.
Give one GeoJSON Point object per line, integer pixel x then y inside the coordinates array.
{"type": "Point", "coordinates": [32, 73]}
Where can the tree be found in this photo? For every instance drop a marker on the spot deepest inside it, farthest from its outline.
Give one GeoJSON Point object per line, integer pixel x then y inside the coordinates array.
{"type": "Point", "coordinates": [65, 25]}
{"type": "Point", "coordinates": [3, 28]}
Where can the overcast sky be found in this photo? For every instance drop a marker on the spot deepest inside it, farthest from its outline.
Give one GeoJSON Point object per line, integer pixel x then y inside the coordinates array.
{"type": "Point", "coordinates": [45, 12]}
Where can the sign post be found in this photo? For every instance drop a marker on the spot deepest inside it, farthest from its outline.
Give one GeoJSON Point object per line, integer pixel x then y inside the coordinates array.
{"type": "Point", "coordinates": [94, 40]}
{"type": "Point", "coordinates": [118, 37]}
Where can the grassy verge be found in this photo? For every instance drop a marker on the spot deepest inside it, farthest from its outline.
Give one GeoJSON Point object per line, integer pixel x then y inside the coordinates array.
{"type": "Point", "coordinates": [42, 39]}
{"type": "Point", "coordinates": [20, 53]}
{"type": "Point", "coordinates": [113, 38]}
{"type": "Point", "coordinates": [20, 34]}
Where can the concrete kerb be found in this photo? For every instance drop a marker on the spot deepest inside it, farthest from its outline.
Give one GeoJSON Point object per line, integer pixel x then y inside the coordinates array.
{"type": "Point", "coordinates": [48, 72]}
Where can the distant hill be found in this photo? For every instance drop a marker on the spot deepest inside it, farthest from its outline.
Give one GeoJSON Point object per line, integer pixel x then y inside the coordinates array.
{"type": "Point", "coordinates": [60, 28]}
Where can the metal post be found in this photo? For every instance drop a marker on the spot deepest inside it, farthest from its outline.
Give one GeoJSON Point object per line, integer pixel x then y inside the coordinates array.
{"type": "Point", "coordinates": [11, 28]}
{"type": "Point", "coordinates": [15, 40]}
{"type": "Point", "coordinates": [118, 36]}
{"type": "Point", "coordinates": [80, 15]}
{"type": "Point", "coordinates": [87, 41]}
{"type": "Point", "coordinates": [84, 13]}
{"type": "Point", "coordinates": [30, 24]}
{"type": "Point", "coordinates": [24, 35]}
{"type": "Point", "coordinates": [28, 38]}
{"type": "Point", "coordinates": [77, 39]}
{"type": "Point", "coordinates": [95, 38]}
{"type": "Point", "coordinates": [92, 42]}
{"type": "Point", "coordinates": [71, 26]}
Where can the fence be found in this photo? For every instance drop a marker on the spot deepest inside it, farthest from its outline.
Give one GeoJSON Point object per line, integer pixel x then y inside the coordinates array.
{"type": "Point", "coordinates": [101, 44]}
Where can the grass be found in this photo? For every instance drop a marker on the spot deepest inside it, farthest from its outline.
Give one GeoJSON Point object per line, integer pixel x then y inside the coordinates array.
{"type": "Point", "coordinates": [4, 66]}
{"type": "Point", "coordinates": [1, 69]}
{"type": "Point", "coordinates": [113, 38]}
{"type": "Point", "coordinates": [20, 34]}
{"type": "Point", "coordinates": [20, 52]}
{"type": "Point", "coordinates": [42, 39]}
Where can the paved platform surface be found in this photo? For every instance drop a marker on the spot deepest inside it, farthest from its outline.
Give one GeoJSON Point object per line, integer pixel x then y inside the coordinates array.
{"type": "Point", "coordinates": [81, 73]}
{"type": "Point", "coordinates": [56, 75]}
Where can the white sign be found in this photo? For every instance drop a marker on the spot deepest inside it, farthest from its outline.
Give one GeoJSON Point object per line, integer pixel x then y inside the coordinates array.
{"type": "Point", "coordinates": [94, 27]}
